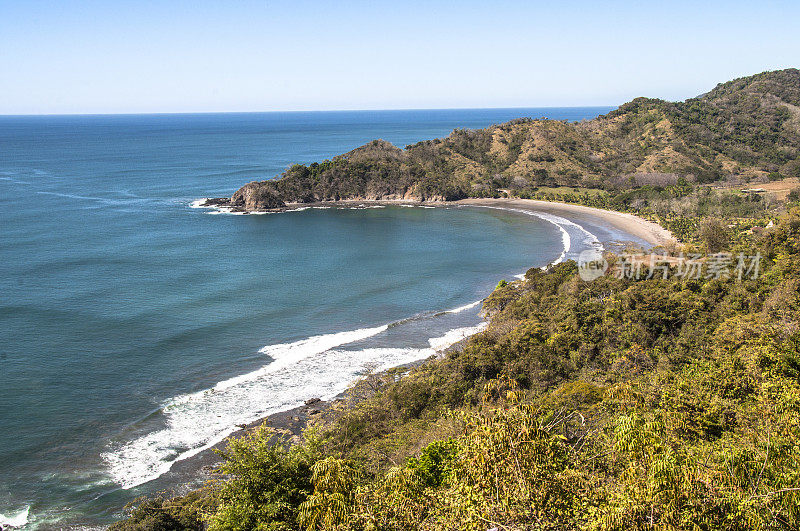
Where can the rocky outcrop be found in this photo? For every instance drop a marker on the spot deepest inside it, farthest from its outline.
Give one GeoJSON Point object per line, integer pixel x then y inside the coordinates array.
{"type": "Point", "coordinates": [256, 196]}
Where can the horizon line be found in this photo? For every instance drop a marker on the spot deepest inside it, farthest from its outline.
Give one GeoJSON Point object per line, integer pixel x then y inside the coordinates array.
{"type": "Point", "coordinates": [177, 113]}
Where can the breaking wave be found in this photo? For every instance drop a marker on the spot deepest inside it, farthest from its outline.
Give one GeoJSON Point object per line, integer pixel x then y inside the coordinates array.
{"type": "Point", "coordinates": [569, 230]}
{"type": "Point", "coordinates": [16, 519]}
{"type": "Point", "coordinates": [317, 366]}
{"type": "Point", "coordinates": [465, 307]}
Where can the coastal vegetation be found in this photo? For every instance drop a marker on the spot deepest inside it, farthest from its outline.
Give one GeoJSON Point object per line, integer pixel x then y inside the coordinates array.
{"type": "Point", "coordinates": [628, 402]}
{"type": "Point", "coordinates": [613, 404]}
{"type": "Point", "coordinates": [741, 131]}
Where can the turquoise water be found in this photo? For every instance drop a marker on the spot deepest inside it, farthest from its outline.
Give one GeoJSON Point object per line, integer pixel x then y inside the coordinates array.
{"type": "Point", "coordinates": [137, 330]}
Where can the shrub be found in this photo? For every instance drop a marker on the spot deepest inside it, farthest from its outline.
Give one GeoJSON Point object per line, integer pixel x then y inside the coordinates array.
{"type": "Point", "coordinates": [268, 482]}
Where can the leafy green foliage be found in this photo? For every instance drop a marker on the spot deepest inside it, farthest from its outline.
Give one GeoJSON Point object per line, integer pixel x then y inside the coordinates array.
{"type": "Point", "coordinates": [333, 497]}
{"type": "Point", "coordinates": [434, 463]}
{"type": "Point", "coordinates": [268, 482]}
{"type": "Point", "coordinates": [163, 513]}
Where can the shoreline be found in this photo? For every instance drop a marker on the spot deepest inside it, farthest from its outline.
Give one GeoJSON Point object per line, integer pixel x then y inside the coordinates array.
{"type": "Point", "coordinates": [190, 473]}
{"type": "Point", "coordinates": [195, 471]}
{"type": "Point", "coordinates": [631, 224]}
{"type": "Point", "coordinates": [651, 232]}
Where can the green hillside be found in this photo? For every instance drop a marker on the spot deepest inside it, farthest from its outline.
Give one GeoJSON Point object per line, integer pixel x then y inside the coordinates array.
{"type": "Point", "coordinates": [622, 403]}
{"type": "Point", "coordinates": [743, 130]}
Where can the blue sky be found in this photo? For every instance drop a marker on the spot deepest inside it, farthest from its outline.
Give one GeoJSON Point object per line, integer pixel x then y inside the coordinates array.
{"type": "Point", "coordinates": [148, 56]}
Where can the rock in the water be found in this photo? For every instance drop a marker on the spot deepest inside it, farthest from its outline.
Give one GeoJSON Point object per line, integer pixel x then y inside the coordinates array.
{"type": "Point", "coordinates": [216, 201]}
{"type": "Point", "coordinates": [312, 401]}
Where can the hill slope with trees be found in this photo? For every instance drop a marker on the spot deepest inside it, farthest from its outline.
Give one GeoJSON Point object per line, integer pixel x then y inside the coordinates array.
{"type": "Point", "coordinates": [743, 130]}
{"type": "Point", "coordinates": [628, 402]}
{"type": "Point", "coordinates": [648, 401]}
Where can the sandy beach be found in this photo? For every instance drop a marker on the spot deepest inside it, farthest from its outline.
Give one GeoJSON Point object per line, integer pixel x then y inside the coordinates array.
{"type": "Point", "coordinates": [619, 222]}
{"type": "Point", "coordinates": [648, 231]}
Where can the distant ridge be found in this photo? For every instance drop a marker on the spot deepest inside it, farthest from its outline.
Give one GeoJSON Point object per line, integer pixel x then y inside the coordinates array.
{"type": "Point", "coordinates": [746, 129]}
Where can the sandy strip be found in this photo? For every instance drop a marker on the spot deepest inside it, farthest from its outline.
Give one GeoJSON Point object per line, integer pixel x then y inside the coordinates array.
{"type": "Point", "coordinates": [648, 231]}
{"type": "Point", "coordinates": [652, 233]}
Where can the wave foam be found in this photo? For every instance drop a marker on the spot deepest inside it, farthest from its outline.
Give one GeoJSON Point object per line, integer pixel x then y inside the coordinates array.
{"type": "Point", "coordinates": [198, 203]}
{"type": "Point", "coordinates": [223, 210]}
{"type": "Point", "coordinates": [465, 307]}
{"type": "Point", "coordinates": [17, 519]}
{"type": "Point", "coordinates": [364, 207]}
{"type": "Point", "coordinates": [286, 354]}
{"type": "Point", "coordinates": [197, 421]}
{"type": "Point", "coordinates": [315, 366]}
{"type": "Point", "coordinates": [220, 209]}
{"type": "Point", "coordinates": [566, 241]}
{"type": "Point", "coordinates": [454, 336]}
{"type": "Point", "coordinates": [589, 240]}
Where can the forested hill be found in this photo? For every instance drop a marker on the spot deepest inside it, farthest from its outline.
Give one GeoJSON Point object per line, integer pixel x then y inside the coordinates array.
{"type": "Point", "coordinates": [653, 398]}
{"type": "Point", "coordinates": [745, 129]}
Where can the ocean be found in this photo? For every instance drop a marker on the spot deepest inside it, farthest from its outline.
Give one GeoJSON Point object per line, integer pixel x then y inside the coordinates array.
{"type": "Point", "coordinates": [138, 330]}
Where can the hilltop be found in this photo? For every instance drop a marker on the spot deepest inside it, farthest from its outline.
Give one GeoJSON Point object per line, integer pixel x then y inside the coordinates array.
{"type": "Point", "coordinates": [745, 130]}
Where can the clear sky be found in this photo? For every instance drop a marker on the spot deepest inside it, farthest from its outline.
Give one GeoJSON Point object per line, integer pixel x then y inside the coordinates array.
{"type": "Point", "coordinates": [173, 56]}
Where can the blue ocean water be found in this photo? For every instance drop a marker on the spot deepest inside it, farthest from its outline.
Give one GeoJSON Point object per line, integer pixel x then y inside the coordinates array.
{"type": "Point", "coordinates": [138, 330]}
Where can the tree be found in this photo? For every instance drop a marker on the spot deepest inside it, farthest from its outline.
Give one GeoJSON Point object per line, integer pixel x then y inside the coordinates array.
{"type": "Point", "coordinates": [714, 234]}
{"type": "Point", "coordinates": [267, 484]}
